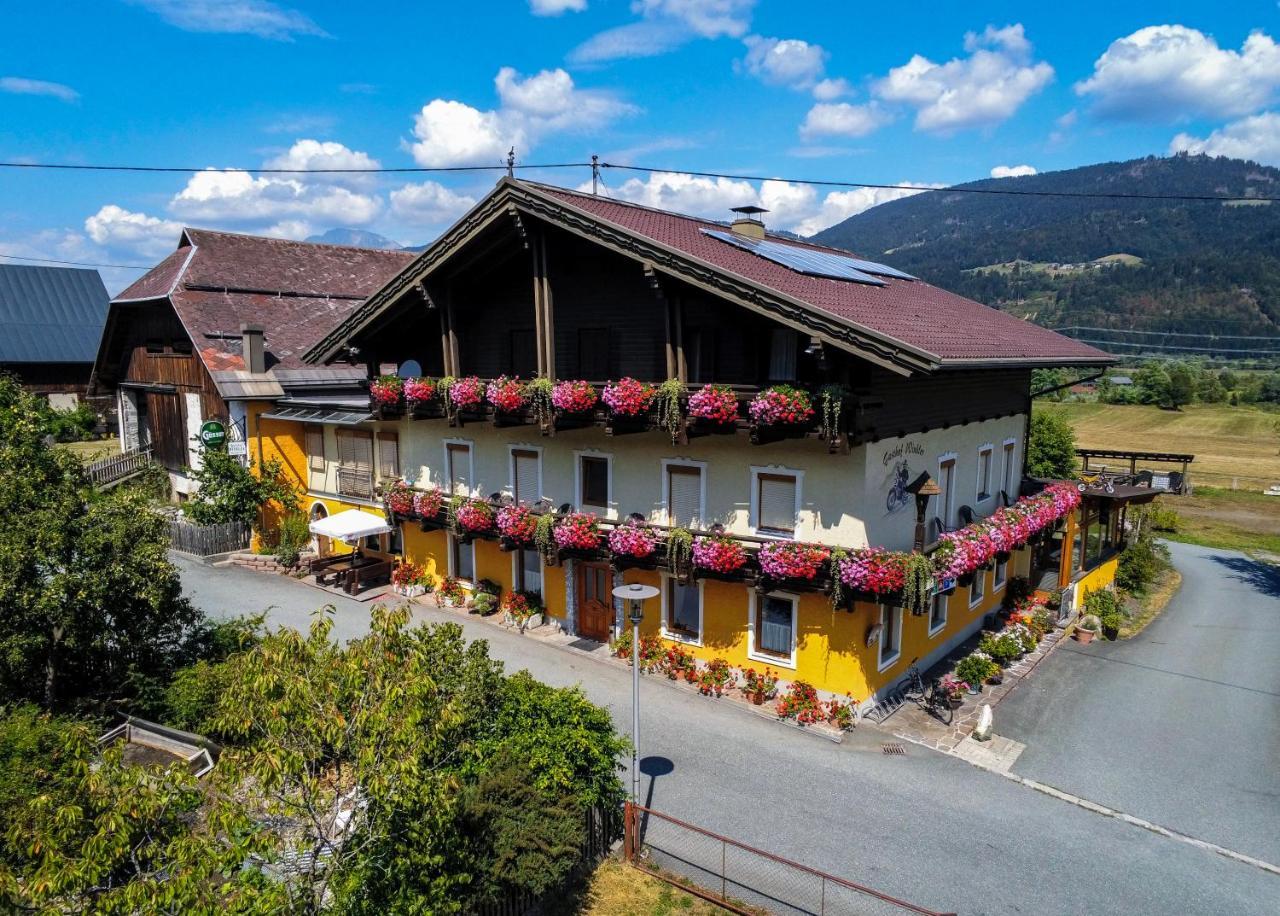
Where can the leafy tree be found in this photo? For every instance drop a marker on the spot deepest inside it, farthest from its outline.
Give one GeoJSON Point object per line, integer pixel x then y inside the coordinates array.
{"type": "Point", "coordinates": [1269, 390]}
{"type": "Point", "coordinates": [1211, 390]}
{"type": "Point", "coordinates": [229, 491]}
{"type": "Point", "coordinates": [1230, 381]}
{"type": "Point", "coordinates": [1050, 378]}
{"type": "Point", "coordinates": [1152, 382]}
{"type": "Point", "coordinates": [1182, 386]}
{"type": "Point", "coordinates": [1051, 450]}
{"type": "Point", "coordinates": [33, 759]}
{"type": "Point", "coordinates": [90, 606]}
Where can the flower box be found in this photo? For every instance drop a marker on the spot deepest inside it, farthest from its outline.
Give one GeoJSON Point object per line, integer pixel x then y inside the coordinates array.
{"type": "Point", "coordinates": [577, 553]}
{"type": "Point", "coordinates": [409, 591]}
{"type": "Point", "coordinates": [776, 432]}
{"type": "Point", "coordinates": [615, 425]}
{"type": "Point", "coordinates": [532, 622]}
{"type": "Point", "coordinates": [437, 522]}
{"type": "Point", "coordinates": [745, 576]}
{"type": "Point", "coordinates": [622, 561]}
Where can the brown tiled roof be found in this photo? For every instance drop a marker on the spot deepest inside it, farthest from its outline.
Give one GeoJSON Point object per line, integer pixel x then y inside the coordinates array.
{"type": "Point", "coordinates": [950, 327]}
{"type": "Point", "coordinates": [297, 291]}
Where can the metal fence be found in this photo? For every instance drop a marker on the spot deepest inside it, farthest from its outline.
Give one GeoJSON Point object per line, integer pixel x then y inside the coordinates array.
{"type": "Point", "coordinates": [744, 879]}
{"type": "Point", "coordinates": [107, 472]}
{"type": "Point", "coordinates": [207, 540]}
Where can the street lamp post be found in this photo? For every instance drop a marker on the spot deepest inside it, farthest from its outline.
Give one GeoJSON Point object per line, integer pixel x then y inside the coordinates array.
{"type": "Point", "coordinates": [635, 595]}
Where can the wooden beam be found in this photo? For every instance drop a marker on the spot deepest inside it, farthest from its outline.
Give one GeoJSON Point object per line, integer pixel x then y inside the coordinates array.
{"type": "Point", "coordinates": [682, 365]}
{"type": "Point", "coordinates": [452, 349]}
{"type": "Point", "coordinates": [539, 318]}
{"type": "Point", "coordinates": [548, 309]}
{"type": "Point", "coordinates": [667, 307]}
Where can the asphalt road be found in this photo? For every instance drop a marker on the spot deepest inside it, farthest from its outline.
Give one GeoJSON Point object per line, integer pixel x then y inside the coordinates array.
{"type": "Point", "coordinates": [1179, 725]}
{"type": "Point", "coordinates": [925, 827]}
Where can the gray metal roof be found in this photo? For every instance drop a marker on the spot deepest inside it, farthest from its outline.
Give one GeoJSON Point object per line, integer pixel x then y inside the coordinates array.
{"type": "Point", "coordinates": [50, 314]}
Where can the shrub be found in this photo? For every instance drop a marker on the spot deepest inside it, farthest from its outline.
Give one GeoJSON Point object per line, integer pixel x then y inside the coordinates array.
{"type": "Point", "coordinates": [293, 535]}
{"type": "Point", "coordinates": [1101, 602]}
{"type": "Point", "coordinates": [976, 667]}
{"type": "Point", "coordinates": [484, 604]}
{"type": "Point", "coordinates": [1111, 624]}
{"type": "Point", "coordinates": [33, 758]}
{"type": "Point", "coordinates": [1159, 518]}
{"type": "Point", "coordinates": [1140, 563]}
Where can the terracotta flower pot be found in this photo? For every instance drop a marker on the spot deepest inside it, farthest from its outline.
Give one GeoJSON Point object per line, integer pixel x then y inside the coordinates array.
{"type": "Point", "coordinates": [955, 701]}
{"type": "Point", "coordinates": [1084, 637]}
{"type": "Point", "coordinates": [757, 699]}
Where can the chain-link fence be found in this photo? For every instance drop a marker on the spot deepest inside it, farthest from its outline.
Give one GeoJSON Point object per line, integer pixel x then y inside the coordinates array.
{"type": "Point", "coordinates": [742, 878]}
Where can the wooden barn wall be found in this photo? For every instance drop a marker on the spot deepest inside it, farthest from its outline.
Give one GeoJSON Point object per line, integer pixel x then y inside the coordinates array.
{"type": "Point", "coordinates": [950, 397]}
{"type": "Point", "coordinates": [412, 333]}
{"type": "Point", "coordinates": [491, 311]}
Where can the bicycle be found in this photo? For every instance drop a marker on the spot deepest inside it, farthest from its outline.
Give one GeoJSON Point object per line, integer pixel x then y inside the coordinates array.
{"type": "Point", "coordinates": [931, 698]}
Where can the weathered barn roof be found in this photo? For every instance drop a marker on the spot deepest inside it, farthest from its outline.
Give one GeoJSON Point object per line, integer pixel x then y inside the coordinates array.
{"type": "Point", "coordinates": [50, 314]}
{"type": "Point", "coordinates": [903, 323]}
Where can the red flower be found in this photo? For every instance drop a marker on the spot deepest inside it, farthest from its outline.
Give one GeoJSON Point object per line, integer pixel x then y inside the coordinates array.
{"type": "Point", "coordinates": [629, 398]}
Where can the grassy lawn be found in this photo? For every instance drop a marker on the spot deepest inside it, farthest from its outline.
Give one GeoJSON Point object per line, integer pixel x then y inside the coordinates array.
{"type": "Point", "coordinates": [620, 890]}
{"type": "Point", "coordinates": [1231, 519]}
{"type": "Point", "coordinates": [1228, 442]}
{"type": "Point", "coordinates": [88, 451]}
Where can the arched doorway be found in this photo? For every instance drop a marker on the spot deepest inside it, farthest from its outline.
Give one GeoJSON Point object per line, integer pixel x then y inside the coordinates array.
{"type": "Point", "coordinates": [319, 544]}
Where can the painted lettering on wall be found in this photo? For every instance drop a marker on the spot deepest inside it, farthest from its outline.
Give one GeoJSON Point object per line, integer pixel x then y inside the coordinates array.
{"type": "Point", "coordinates": [902, 450]}
{"type": "Point", "coordinates": [897, 475]}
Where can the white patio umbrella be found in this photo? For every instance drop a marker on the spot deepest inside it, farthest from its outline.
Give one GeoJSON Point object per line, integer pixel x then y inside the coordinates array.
{"type": "Point", "coordinates": [350, 526]}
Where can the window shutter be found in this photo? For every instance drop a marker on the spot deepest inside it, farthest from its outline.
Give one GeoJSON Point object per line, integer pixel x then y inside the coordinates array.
{"type": "Point", "coordinates": [346, 448]}
{"type": "Point", "coordinates": [315, 448]}
{"type": "Point", "coordinates": [684, 485]}
{"type": "Point", "coordinates": [388, 455]}
{"type": "Point", "coordinates": [459, 468]}
{"type": "Point", "coordinates": [782, 355]}
{"type": "Point", "coordinates": [777, 503]}
{"type": "Point", "coordinates": [362, 444]}
{"type": "Point", "coordinates": [525, 476]}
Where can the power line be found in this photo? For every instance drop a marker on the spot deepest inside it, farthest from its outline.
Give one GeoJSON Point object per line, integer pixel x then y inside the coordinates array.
{"type": "Point", "coordinates": [275, 171]}
{"type": "Point", "coordinates": [1206, 335]}
{"type": "Point", "coordinates": [19, 257]}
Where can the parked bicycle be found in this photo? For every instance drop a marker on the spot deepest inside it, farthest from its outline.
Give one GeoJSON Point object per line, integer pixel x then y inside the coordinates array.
{"type": "Point", "coordinates": [929, 697]}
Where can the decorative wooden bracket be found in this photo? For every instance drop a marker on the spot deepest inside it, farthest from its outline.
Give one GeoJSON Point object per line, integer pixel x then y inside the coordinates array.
{"type": "Point", "coordinates": [519, 223]}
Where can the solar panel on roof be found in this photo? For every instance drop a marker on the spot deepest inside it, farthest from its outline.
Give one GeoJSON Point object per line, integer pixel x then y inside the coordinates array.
{"type": "Point", "coordinates": [811, 261]}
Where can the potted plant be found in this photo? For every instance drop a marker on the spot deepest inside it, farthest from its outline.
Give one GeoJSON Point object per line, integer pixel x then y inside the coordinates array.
{"type": "Point", "coordinates": [578, 531]}
{"type": "Point", "coordinates": [628, 401]}
{"type": "Point", "coordinates": [409, 579]}
{"type": "Point", "coordinates": [473, 516]}
{"type": "Point", "coordinates": [801, 703]}
{"type": "Point", "coordinates": [465, 394]}
{"type": "Point", "coordinates": [955, 689]}
{"type": "Point", "coordinates": [385, 391]}
{"type": "Point", "coordinates": [574, 398]}
{"type": "Point", "coordinates": [419, 391]}
{"type": "Point", "coordinates": [781, 411]}
{"type": "Point", "coordinates": [718, 554]}
{"type": "Point", "coordinates": [632, 541]}
{"type": "Point", "coordinates": [400, 499]}
{"type": "Point", "coordinates": [759, 686]}
{"type": "Point", "coordinates": [507, 395]}
{"type": "Point", "coordinates": [522, 609]}
{"type": "Point", "coordinates": [840, 713]}
{"type": "Point", "coordinates": [517, 526]}
{"type": "Point", "coordinates": [715, 407]}
{"type": "Point", "coordinates": [450, 593]}
{"type": "Point", "coordinates": [792, 560]}
{"type": "Point", "coordinates": [428, 503]}
{"type": "Point", "coordinates": [715, 677]}
{"type": "Point", "coordinates": [975, 669]}
{"type": "Point", "coordinates": [1087, 628]}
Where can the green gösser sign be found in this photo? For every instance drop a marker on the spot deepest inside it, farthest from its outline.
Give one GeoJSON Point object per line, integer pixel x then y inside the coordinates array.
{"type": "Point", "coordinates": [213, 434]}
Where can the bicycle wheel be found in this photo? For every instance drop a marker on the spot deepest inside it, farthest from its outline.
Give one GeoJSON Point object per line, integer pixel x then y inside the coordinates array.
{"type": "Point", "coordinates": [940, 706]}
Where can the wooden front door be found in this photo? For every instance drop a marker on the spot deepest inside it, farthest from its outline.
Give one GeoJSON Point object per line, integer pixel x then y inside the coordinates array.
{"type": "Point", "coordinates": [595, 601]}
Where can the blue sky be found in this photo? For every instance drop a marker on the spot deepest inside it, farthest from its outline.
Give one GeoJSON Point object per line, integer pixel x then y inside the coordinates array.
{"type": "Point", "coordinates": [907, 93]}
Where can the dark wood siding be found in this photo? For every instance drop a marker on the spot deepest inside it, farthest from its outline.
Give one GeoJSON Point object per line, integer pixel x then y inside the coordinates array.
{"type": "Point", "coordinates": [487, 311]}
{"type": "Point", "coordinates": [948, 398]}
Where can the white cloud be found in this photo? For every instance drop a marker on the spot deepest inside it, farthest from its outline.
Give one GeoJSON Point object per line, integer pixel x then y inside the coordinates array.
{"type": "Point", "coordinates": [20, 85]}
{"type": "Point", "coordinates": [429, 204]}
{"type": "Point", "coordinates": [829, 90]}
{"type": "Point", "coordinates": [785, 61]}
{"type": "Point", "coordinates": [1256, 138]}
{"type": "Point", "coordinates": [1171, 71]}
{"type": "Point", "coordinates": [119, 229]}
{"type": "Point", "coordinates": [980, 90]}
{"type": "Point", "coordinates": [451, 133]}
{"type": "Point", "coordinates": [840, 119]}
{"type": "Point", "coordinates": [689, 194]}
{"type": "Point", "coordinates": [247, 17]}
{"type": "Point", "coordinates": [317, 154]}
{"type": "Point", "coordinates": [1012, 171]}
{"type": "Point", "coordinates": [838, 206]}
{"type": "Point", "coordinates": [556, 7]}
{"type": "Point", "coordinates": [666, 25]}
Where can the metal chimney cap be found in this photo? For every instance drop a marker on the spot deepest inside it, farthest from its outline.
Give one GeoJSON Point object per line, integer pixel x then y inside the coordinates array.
{"type": "Point", "coordinates": [748, 210]}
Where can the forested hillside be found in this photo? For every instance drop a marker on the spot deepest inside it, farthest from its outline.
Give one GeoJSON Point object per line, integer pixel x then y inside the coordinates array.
{"type": "Point", "coordinates": [1198, 267]}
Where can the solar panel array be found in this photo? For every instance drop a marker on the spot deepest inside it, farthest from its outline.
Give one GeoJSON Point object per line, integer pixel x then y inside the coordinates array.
{"type": "Point", "coordinates": [810, 261]}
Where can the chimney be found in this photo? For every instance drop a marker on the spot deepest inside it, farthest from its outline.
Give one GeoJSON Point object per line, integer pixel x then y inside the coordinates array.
{"type": "Point", "coordinates": [748, 222]}
{"type": "Point", "coordinates": [252, 349]}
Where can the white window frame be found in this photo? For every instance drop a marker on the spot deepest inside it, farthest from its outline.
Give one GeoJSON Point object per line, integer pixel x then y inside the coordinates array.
{"type": "Point", "coordinates": [1000, 577]}
{"type": "Point", "coordinates": [1009, 473]}
{"type": "Point", "coordinates": [611, 509]}
{"type": "Point", "coordinates": [754, 519]}
{"type": "Point", "coordinates": [990, 451]}
{"type": "Point", "coordinates": [939, 598]}
{"type": "Point", "coordinates": [883, 663]}
{"type": "Point", "coordinates": [753, 609]}
{"type": "Point", "coordinates": [979, 579]}
{"type": "Point", "coordinates": [947, 512]}
{"type": "Point", "coordinates": [514, 447]}
{"type": "Point", "coordinates": [664, 486]}
{"type": "Point", "coordinates": [515, 570]}
{"type": "Point", "coordinates": [676, 635]}
{"type": "Point", "coordinates": [446, 476]}
{"type": "Point", "coordinates": [453, 571]}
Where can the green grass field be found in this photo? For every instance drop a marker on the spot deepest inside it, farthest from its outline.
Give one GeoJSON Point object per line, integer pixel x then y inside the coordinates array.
{"type": "Point", "coordinates": [94, 449]}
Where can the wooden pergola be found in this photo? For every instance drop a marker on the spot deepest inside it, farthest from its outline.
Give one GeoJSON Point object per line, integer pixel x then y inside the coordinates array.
{"type": "Point", "coordinates": [1133, 458]}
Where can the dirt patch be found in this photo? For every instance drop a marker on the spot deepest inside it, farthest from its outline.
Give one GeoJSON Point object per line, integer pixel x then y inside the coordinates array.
{"type": "Point", "coordinates": [1147, 608]}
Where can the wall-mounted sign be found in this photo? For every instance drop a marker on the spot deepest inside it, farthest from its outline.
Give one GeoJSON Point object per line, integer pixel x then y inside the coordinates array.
{"type": "Point", "coordinates": [237, 449]}
{"type": "Point", "coordinates": [213, 434]}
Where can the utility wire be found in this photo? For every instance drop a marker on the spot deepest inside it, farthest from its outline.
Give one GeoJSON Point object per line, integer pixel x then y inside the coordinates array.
{"type": "Point", "coordinates": [273, 171]}
{"type": "Point", "coordinates": [19, 257]}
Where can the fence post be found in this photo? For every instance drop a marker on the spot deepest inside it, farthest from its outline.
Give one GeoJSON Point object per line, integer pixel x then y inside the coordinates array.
{"type": "Point", "coordinates": [724, 878]}
{"type": "Point", "coordinates": [628, 833]}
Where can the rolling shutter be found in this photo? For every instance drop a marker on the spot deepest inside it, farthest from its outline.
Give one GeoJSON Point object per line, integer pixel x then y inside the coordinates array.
{"type": "Point", "coordinates": [315, 448]}
{"type": "Point", "coordinates": [459, 468]}
{"type": "Point", "coordinates": [684, 487]}
{"type": "Point", "coordinates": [524, 475]}
{"type": "Point", "coordinates": [388, 456]}
{"type": "Point", "coordinates": [777, 503]}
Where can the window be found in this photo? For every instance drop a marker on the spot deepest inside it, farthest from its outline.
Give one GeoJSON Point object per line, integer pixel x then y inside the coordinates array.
{"type": "Point", "coordinates": [1009, 482]}
{"type": "Point", "coordinates": [773, 629]}
{"type": "Point", "coordinates": [388, 456]}
{"type": "Point", "coordinates": [355, 463]}
{"type": "Point", "coordinates": [315, 457]}
{"type": "Point", "coordinates": [775, 500]}
{"type": "Point", "coordinates": [1001, 576]}
{"type": "Point", "coordinates": [937, 613]}
{"type": "Point", "coordinates": [526, 475]}
{"type": "Point", "coordinates": [595, 483]}
{"type": "Point", "coordinates": [682, 610]}
{"type": "Point", "coordinates": [155, 345]}
{"type": "Point", "coordinates": [181, 346]}
{"type": "Point", "coordinates": [524, 353]}
{"type": "Point", "coordinates": [458, 467]}
{"type": "Point", "coordinates": [978, 589]}
{"type": "Point", "coordinates": [462, 559]}
{"type": "Point", "coordinates": [946, 483]}
{"type": "Point", "coordinates": [593, 354]}
{"type": "Point", "coordinates": [783, 348]}
{"type": "Point", "coordinates": [984, 473]}
{"type": "Point", "coordinates": [890, 635]}
{"type": "Point", "coordinates": [527, 570]}
{"type": "Point", "coordinates": [395, 540]}
{"type": "Point", "coordinates": [683, 493]}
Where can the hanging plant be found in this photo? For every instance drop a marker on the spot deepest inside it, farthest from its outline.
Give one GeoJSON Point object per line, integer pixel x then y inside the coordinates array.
{"type": "Point", "coordinates": [505, 394]}
{"type": "Point", "coordinates": [715, 404]}
{"type": "Point", "coordinates": [679, 548]}
{"type": "Point", "coordinates": [400, 499]}
{"type": "Point", "coordinates": [634, 539]}
{"type": "Point", "coordinates": [782, 404]}
{"type": "Point", "coordinates": [443, 387]}
{"type": "Point", "coordinates": [917, 582]}
{"type": "Point", "coordinates": [578, 531]}
{"type": "Point", "coordinates": [544, 534]}
{"type": "Point", "coordinates": [831, 398]}
{"type": "Point", "coordinates": [792, 560]}
{"type": "Point", "coordinates": [466, 393]}
{"type": "Point", "coordinates": [419, 390]}
{"type": "Point", "coordinates": [385, 390]}
{"type": "Point", "coordinates": [668, 398]}
{"type": "Point", "coordinates": [474, 516]}
{"type": "Point", "coordinates": [719, 554]}
{"type": "Point", "coordinates": [629, 397]}
{"type": "Point", "coordinates": [539, 394]}
{"type": "Point", "coordinates": [427, 503]}
{"type": "Point", "coordinates": [838, 557]}
{"type": "Point", "coordinates": [517, 523]}
{"type": "Point", "coordinates": [574, 397]}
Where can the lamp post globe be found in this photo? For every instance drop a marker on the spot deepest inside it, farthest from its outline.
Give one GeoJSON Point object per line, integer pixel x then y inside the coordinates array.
{"type": "Point", "coordinates": [635, 595]}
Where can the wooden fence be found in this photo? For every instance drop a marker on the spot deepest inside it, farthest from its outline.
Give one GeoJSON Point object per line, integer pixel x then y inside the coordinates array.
{"type": "Point", "coordinates": [107, 472]}
{"type": "Point", "coordinates": [206, 540]}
